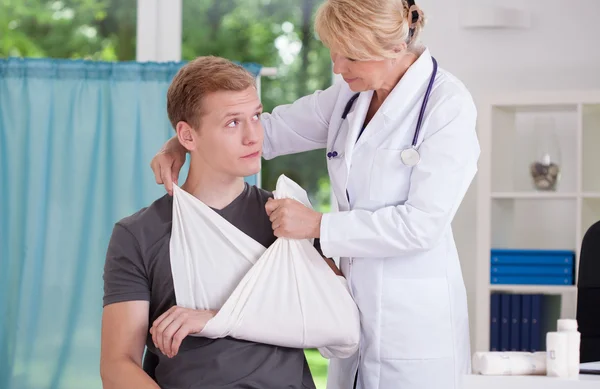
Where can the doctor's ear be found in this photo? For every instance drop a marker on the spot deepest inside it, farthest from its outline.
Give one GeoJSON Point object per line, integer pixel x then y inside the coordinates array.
{"type": "Point", "coordinates": [187, 135]}
{"type": "Point", "coordinates": [400, 48]}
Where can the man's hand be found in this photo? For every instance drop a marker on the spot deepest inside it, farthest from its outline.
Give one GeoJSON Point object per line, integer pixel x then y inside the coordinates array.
{"type": "Point", "coordinates": [292, 219]}
{"type": "Point", "coordinates": [169, 330]}
{"type": "Point", "coordinates": [167, 163]}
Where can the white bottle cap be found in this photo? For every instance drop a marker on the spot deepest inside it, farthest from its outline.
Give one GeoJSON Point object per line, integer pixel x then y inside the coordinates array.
{"type": "Point", "coordinates": [566, 325]}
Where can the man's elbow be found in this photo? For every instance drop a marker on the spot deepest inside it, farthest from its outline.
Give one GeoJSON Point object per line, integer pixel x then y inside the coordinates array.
{"type": "Point", "coordinates": [109, 371]}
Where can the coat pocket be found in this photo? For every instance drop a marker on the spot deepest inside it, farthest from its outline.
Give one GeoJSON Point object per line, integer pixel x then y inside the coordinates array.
{"type": "Point", "coordinates": [416, 319]}
{"type": "Point", "coordinates": [390, 177]}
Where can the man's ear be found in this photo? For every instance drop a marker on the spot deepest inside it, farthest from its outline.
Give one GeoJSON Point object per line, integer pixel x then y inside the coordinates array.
{"type": "Point", "coordinates": [186, 135]}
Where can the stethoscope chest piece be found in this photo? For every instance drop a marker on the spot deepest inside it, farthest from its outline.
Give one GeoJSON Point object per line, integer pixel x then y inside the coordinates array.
{"type": "Point", "coordinates": [410, 156]}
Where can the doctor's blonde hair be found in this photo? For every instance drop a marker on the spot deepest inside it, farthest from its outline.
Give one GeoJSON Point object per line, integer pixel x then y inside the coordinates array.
{"type": "Point", "coordinates": [368, 29]}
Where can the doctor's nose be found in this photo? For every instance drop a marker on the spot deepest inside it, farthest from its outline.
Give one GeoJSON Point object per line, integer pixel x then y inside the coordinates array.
{"type": "Point", "coordinates": [339, 64]}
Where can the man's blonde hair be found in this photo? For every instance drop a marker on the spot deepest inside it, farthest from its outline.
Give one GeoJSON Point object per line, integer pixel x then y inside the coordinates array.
{"type": "Point", "coordinates": [367, 29]}
{"type": "Point", "coordinates": [198, 78]}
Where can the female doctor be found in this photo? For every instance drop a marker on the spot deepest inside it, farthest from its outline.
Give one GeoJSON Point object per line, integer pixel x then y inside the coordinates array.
{"type": "Point", "coordinates": [401, 150]}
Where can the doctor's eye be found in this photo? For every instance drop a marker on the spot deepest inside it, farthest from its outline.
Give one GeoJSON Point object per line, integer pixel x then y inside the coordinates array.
{"type": "Point", "coordinates": [256, 116]}
{"type": "Point", "coordinates": [233, 123]}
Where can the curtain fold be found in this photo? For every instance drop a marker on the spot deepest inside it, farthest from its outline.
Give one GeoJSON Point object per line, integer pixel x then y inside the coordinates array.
{"type": "Point", "coordinates": [76, 139]}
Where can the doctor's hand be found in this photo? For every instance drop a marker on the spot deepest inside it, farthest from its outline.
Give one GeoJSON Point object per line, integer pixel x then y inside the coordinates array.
{"type": "Point", "coordinates": [292, 219]}
{"type": "Point", "coordinates": [167, 163]}
{"type": "Point", "coordinates": [169, 330]}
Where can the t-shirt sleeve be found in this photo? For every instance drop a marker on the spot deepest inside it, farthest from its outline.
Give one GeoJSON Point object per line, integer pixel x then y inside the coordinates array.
{"type": "Point", "coordinates": [125, 277]}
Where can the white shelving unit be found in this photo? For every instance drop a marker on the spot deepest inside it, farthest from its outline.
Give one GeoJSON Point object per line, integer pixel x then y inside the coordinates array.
{"type": "Point", "coordinates": [511, 213]}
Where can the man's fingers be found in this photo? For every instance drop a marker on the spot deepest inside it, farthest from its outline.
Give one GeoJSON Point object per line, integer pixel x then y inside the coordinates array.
{"type": "Point", "coordinates": [167, 336]}
{"type": "Point", "coordinates": [178, 338]}
{"type": "Point", "coordinates": [157, 336]}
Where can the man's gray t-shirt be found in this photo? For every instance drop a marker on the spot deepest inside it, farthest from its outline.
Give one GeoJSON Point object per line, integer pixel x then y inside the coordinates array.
{"type": "Point", "coordinates": [138, 267]}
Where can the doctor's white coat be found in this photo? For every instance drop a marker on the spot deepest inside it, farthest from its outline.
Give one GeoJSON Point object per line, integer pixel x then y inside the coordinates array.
{"type": "Point", "coordinates": [393, 231]}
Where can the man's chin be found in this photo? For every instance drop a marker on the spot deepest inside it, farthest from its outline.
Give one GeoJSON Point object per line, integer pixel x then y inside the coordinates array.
{"type": "Point", "coordinates": [248, 171]}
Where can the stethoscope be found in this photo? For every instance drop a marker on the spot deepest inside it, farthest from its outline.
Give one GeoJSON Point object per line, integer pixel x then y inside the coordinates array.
{"type": "Point", "coordinates": [409, 156]}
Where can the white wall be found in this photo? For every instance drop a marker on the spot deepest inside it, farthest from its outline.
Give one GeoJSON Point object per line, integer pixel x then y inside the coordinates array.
{"type": "Point", "coordinates": [560, 50]}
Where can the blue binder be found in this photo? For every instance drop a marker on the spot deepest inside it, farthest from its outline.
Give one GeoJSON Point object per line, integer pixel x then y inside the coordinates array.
{"type": "Point", "coordinates": [532, 270]}
{"type": "Point", "coordinates": [532, 280]}
{"type": "Point", "coordinates": [525, 322]}
{"type": "Point", "coordinates": [515, 322]}
{"type": "Point", "coordinates": [505, 322]}
{"type": "Point", "coordinates": [531, 257]}
{"type": "Point", "coordinates": [495, 322]}
{"type": "Point", "coordinates": [536, 316]}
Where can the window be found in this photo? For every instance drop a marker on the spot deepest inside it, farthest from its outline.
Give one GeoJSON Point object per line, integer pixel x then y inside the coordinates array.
{"type": "Point", "coordinates": [273, 33]}
{"type": "Point", "coordinates": [88, 29]}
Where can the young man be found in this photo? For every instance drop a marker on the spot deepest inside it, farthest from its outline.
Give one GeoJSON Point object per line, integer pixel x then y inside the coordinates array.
{"type": "Point", "coordinates": [214, 106]}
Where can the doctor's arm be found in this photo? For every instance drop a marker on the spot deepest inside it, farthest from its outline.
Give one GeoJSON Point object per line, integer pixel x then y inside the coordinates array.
{"type": "Point", "coordinates": [290, 128]}
{"type": "Point", "coordinates": [449, 156]}
{"type": "Point", "coordinates": [300, 126]}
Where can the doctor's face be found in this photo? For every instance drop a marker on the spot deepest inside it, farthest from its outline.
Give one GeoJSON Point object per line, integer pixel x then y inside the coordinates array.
{"type": "Point", "coordinates": [362, 75]}
{"type": "Point", "coordinates": [229, 140]}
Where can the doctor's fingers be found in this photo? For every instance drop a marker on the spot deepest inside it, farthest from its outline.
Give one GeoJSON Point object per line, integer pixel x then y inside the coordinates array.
{"type": "Point", "coordinates": [166, 170]}
{"type": "Point", "coordinates": [280, 210]}
{"type": "Point", "coordinates": [271, 206]}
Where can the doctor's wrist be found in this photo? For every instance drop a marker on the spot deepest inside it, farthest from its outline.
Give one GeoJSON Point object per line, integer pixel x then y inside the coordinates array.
{"type": "Point", "coordinates": [317, 225]}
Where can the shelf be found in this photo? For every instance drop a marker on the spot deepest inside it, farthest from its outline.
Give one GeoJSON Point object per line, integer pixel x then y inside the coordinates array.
{"type": "Point", "coordinates": [534, 195]}
{"type": "Point", "coordinates": [591, 147]}
{"type": "Point", "coordinates": [520, 135]}
{"type": "Point", "coordinates": [533, 289]}
{"type": "Point", "coordinates": [527, 223]}
{"type": "Point", "coordinates": [591, 195]}
{"type": "Point", "coordinates": [512, 212]}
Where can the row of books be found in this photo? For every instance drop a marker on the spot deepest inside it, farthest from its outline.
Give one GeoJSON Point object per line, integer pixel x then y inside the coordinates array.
{"type": "Point", "coordinates": [519, 322]}
{"type": "Point", "coordinates": [532, 267]}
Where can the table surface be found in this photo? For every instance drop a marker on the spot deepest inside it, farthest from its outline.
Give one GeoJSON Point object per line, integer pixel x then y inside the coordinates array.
{"type": "Point", "coordinates": [584, 381]}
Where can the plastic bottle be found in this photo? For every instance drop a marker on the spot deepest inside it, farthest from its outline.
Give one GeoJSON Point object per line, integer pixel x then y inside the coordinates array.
{"type": "Point", "coordinates": [557, 354]}
{"type": "Point", "coordinates": [569, 326]}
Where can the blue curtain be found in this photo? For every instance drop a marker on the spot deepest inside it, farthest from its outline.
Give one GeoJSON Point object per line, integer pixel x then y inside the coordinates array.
{"type": "Point", "coordinates": [76, 139]}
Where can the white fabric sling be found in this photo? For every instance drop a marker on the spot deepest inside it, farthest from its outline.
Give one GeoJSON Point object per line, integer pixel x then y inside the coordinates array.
{"type": "Point", "coordinates": [285, 295]}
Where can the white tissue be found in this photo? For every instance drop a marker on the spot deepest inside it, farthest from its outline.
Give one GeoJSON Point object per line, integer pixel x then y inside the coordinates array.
{"type": "Point", "coordinates": [509, 363]}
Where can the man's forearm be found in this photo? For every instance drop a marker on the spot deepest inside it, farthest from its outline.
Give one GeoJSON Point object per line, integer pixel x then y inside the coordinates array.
{"type": "Point", "coordinates": [125, 374]}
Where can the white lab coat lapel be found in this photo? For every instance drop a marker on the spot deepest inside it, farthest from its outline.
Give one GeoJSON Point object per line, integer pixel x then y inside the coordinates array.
{"type": "Point", "coordinates": [401, 99]}
{"type": "Point", "coordinates": [348, 131]}
{"type": "Point", "coordinates": [355, 119]}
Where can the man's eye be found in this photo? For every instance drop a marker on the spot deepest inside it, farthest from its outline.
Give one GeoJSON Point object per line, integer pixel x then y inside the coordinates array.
{"type": "Point", "coordinates": [256, 116]}
{"type": "Point", "coordinates": [233, 124]}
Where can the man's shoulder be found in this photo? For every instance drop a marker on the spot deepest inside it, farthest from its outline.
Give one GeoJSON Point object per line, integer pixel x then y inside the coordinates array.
{"type": "Point", "coordinates": [152, 221]}
{"type": "Point", "coordinates": [259, 194]}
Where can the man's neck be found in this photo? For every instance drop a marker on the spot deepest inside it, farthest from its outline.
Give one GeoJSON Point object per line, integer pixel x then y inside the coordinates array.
{"type": "Point", "coordinates": [215, 189]}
